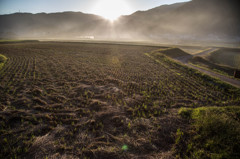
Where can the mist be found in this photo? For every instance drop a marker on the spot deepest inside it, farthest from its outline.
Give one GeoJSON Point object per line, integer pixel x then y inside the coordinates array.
{"type": "Point", "coordinates": [198, 20]}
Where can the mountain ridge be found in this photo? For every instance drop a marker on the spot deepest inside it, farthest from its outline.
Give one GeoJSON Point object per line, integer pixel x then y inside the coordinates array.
{"type": "Point", "coordinates": [215, 20]}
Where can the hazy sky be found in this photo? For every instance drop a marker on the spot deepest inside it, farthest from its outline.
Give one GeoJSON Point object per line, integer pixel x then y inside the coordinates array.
{"type": "Point", "coordinates": [105, 8]}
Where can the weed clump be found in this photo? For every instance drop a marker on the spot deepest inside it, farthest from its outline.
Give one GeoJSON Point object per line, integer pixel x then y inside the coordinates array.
{"type": "Point", "coordinates": [215, 133]}
{"type": "Point", "coordinates": [2, 60]}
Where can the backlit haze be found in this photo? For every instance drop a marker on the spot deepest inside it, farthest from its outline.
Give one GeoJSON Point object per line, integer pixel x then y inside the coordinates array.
{"type": "Point", "coordinates": [109, 9]}
{"type": "Point", "coordinates": [162, 21]}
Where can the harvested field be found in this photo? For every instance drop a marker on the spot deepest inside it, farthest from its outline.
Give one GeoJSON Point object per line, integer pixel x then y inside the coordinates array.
{"type": "Point", "coordinates": [76, 100]}
{"type": "Point", "coordinates": [226, 56]}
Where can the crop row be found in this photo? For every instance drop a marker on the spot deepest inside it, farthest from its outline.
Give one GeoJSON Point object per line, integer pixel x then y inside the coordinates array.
{"type": "Point", "coordinates": [96, 89]}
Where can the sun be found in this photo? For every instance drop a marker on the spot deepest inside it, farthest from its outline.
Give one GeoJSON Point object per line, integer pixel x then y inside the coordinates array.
{"type": "Point", "coordinates": [111, 9]}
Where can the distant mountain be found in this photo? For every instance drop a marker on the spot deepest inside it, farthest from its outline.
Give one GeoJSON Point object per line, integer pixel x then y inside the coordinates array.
{"type": "Point", "coordinates": [213, 20]}
{"type": "Point", "coordinates": [196, 20]}
{"type": "Point", "coordinates": [54, 25]}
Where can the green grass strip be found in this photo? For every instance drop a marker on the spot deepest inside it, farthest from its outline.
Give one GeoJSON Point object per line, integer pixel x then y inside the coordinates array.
{"type": "Point", "coordinates": [214, 133]}
{"type": "Point", "coordinates": [3, 59]}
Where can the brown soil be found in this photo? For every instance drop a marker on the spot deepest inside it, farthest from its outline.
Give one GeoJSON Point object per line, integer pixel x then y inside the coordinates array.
{"type": "Point", "coordinates": [75, 100]}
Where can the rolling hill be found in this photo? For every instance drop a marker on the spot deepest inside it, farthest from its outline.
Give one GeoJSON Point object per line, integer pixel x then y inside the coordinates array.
{"type": "Point", "coordinates": [55, 25]}
{"type": "Point", "coordinates": [195, 20]}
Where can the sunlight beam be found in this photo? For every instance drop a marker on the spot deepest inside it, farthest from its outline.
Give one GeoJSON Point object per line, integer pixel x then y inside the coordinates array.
{"type": "Point", "coordinates": [111, 9]}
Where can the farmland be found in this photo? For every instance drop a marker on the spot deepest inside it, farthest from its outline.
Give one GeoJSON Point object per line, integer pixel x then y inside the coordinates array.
{"type": "Point", "coordinates": [223, 60]}
{"type": "Point", "coordinates": [226, 56]}
{"type": "Point", "coordinates": [77, 100]}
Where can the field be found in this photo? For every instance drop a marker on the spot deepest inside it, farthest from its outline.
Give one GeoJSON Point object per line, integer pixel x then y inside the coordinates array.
{"type": "Point", "coordinates": [226, 56]}
{"type": "Point", "coordinates": [224, 61]}
{"type": "Point", "coordinates": [78, 100]}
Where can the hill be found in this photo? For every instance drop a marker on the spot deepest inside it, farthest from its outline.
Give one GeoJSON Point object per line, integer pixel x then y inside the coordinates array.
{"type": "Point", "coordinates": [197, 20]}
{"type": "Point", "coordinates": [54, 25]}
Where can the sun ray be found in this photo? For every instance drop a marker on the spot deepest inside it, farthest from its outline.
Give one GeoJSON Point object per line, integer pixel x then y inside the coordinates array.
{"type": "Point", "coordinates": [111, 9]}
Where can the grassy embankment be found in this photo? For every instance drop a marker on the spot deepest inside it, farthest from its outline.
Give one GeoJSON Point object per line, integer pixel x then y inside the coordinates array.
{"type": "Point", "coordinates": [224, 61]}
{"type": "Point", "coordinates": [174, 53]}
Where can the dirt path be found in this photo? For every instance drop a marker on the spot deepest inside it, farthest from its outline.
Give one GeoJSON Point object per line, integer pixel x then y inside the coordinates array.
{"type": "Point", "coordinates": [226, 79]}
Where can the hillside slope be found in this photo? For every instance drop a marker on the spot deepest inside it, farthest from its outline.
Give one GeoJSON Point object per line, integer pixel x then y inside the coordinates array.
{"type": "Point", "coordinates": [197, 20]}
{"type": "Point", "coordinates": [66, 24]}
{"type": "Point", "coordinates": [194, 20]}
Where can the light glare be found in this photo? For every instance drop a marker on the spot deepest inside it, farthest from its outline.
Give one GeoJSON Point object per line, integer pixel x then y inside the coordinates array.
{"type": "Point", "coordinates": [111, 9]}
